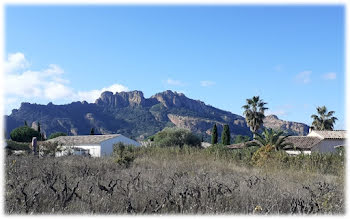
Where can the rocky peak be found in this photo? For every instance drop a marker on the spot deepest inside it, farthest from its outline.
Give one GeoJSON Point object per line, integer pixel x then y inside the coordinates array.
{"type": "Point", "coordinates": [293, 128]}
{"type": "Point", "coordinates": [269, 117]}
{"type": "Point", "coordinates": [173, 99]}
{"type": "Point", "coordinates": [121, 99]}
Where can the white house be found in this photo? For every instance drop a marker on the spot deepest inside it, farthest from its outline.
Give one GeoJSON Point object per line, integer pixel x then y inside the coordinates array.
{"type": "Point", "coordinates": [315, 141]}
{"type": "Point", "coordinates": [93, 145]}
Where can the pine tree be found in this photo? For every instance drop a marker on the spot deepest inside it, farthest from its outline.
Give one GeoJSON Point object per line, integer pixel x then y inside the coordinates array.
{"type": "Point", "coordinates": [225, 136]}
{"type": "Point", "coordinates": [92, 131]}
{"type": "Point", "coordinates": [214, 135]}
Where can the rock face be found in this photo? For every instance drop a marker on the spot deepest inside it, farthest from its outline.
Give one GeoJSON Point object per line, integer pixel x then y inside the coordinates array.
{"type": "Point", "coordinates": [122, 99]}
{"type": "Point", "coordinates": [292, 128]}
{"type": "Point", "coordinates": [133, 115]}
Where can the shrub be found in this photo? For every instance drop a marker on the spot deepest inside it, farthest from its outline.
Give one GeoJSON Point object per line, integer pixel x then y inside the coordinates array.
{"type": "Point", "coordinates": [182, 185]}
{"type": "Point", "coordinates": [124, 154]}
{"type": "Point", "coordinates": [16, 146]}
{"type": "Point", "coordinates": [24, 134]}
{"type": "Point", "coordinates": [262, 155]}
{"type": "Point", "coordinates": [56, 134]}
{"type": "Point", "coordinates": [176, 137]}
{"type": "Point", "coordinates": [241, 138]}
{"type": "Point", "coordinates": [49, 148]}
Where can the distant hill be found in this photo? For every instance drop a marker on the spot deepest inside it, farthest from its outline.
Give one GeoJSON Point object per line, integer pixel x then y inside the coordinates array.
{"type": "Point", "coordinates": [132, 115]}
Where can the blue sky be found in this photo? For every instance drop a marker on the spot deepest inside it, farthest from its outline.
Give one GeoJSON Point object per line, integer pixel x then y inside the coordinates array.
{"type": "Point", "coordinates": [291, 56]}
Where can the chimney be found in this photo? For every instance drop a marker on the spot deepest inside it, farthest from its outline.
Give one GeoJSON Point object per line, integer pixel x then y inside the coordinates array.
{"type": "Point", "coordinates": [310, 129]}
{"type": "Point", "coordinates": [34, 145]}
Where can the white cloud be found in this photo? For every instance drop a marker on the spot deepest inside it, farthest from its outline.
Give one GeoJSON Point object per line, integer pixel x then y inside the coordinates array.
{"type": "Point", "coordinates": [49, 84]}
{"type": "Point", "coordinates": [304, 77]}
{"type": "Point", "coordinates": [53, 70]}
{"type": "Point", "coordinates": [15, 61]}
{"type": "Point", "coordinates": [92, 95]}
{"type": "Point", "coordinates": [329, 76]}
{"type": "Point", "coordinates": [175, 82]}
{"type": "Point", "coordinates": [54, 90]}
{"type": "Point", "coordinates": [207, 83]}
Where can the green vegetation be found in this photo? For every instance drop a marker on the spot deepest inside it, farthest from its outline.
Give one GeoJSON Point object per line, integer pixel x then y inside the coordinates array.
{"type": "Point", "coordinates": [176, 137]}
{"type": "Point", "coordinates": [57, 134]}
{"type": "Point", "coordinates": [124, 154]}
{"type": "Point", "coordinates": [225, 136]}
{"type": "Point", "coordinates": [24, 134]}
{"type": "Point", "coordinates": [17, 146]}
{"type": "Point", "coordinates": [254, 113]}
{"type": "Point", "coordinates": [324, 120]}
{"type": "Point", "coordinates": [40, 138]}
{"type": "Point", "coordinates": [48, 148]}
{"type": "Point", "coordinates": [214, 135]}
{"type": "Point", "coordinates": [241, 138]}
{"type": "Point", "coordinates": [272, 138]}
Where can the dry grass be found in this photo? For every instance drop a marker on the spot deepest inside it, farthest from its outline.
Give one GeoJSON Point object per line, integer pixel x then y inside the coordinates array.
{"type": "Point", "coordinates": [163, 182]}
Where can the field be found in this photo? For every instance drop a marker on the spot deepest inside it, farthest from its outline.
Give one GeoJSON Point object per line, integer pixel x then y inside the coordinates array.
{"type": "Point", "coordinates": [174, 181]}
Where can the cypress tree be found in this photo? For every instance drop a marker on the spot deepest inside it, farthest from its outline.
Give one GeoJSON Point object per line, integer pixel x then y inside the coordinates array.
{"type": "Point", "coordinates": [225, 136]}
{"type": "Point", "coordinates": [25, 123]}
{"type": "Point", "coordinates": [214, 135]}
{"type": "Point", "coordinates": [92, 131]}
{"type": "Point", "coordinates": [40, 136]}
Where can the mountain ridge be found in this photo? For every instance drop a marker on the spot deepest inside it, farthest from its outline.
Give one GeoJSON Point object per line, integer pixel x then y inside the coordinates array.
{"type": "Point", "coordinates": [133, 115]}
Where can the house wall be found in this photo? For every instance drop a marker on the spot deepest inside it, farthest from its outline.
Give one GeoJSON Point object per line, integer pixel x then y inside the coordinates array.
{"type": "Point", "coordinates": [296, 152]}
{"type": "Point", "coordinates": [107, 146]}
{"type": "Point", "coordinates": [94, 150]}
{"type": "Point", "coordinates": [327, 145]}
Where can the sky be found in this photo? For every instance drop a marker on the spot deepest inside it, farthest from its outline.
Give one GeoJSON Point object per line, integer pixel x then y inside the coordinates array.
{"type": "Point", "coordinates": [290, 56]}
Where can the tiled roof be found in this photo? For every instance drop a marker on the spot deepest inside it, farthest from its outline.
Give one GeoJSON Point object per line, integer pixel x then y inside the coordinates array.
{"type": "Point", "coordinates": [303, 142]}
{"type": "Point", "coordinates": [240, 145]}
{"type": "Point", "coordinates": [82, 139]}
{"type": "Point", "coordinates": [236, 146]}
{"type": "Point", "coordinates": [300, 142]}
{"type": "Point", "coordinates": [338, 134]}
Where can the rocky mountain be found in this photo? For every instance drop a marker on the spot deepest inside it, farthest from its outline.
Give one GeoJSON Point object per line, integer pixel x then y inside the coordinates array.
{"type": "Point", "coordinates": [292, 128]}
{"type": "Point", "coordinates": [133, 115]}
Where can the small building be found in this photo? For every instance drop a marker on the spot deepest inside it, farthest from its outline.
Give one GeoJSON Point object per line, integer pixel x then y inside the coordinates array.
{"type": "Point", "coordinates": [91, 145]}
{"type": "Point", "coordinates": [315, 141]}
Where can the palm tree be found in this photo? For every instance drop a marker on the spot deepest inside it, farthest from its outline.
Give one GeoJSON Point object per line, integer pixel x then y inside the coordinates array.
{"type": "Point", "coordinates": [254, 113]}
{"type": "Point", "coordinates": [271, 137]}
{"type": "Point", "coordinates": [324, 120]}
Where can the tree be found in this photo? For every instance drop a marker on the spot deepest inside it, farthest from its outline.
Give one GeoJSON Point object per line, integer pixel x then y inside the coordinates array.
{"type": "Point", "coordinates": [214, 135]}
{"type": "Point", "coordinates": [56, 134]}
{"type": "Point", "coordinates": [176, 137]}
{"type": "Point", "coordinates": [23, 134]}
{"type": "Point", "coordinates": [254, 113]}
{"type": "Point", "coordinates": [92, 131]}
{"type": "Point", "coordinates": [324, 120]}
{"type": "Point", "coordinates": [39, 130]}
{"type": "Point", "coordinates": [225, 136]}
{"type": "Point", "coordinates": [241, 139]}
{"type": "Point", "coordinates": [272, 138]}
{"type": "Point", "coordinates": [25, 123]}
